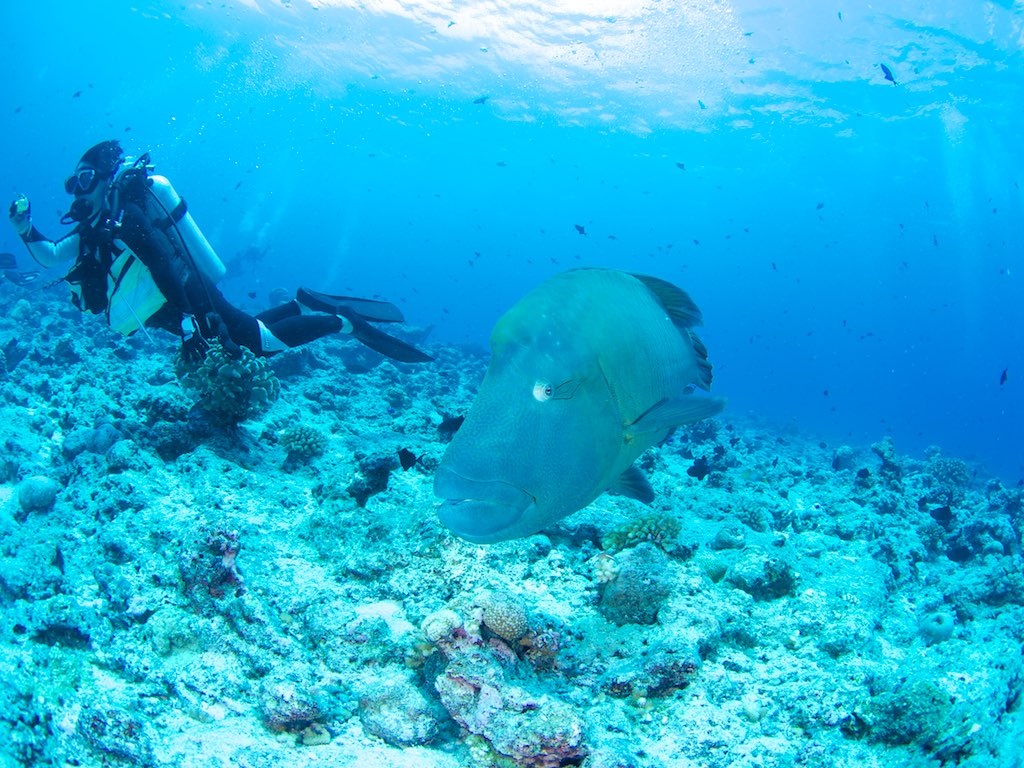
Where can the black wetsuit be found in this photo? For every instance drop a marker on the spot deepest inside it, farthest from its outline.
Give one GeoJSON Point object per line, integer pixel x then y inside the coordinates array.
{"type": "Point", "coordinates": [188, 292]}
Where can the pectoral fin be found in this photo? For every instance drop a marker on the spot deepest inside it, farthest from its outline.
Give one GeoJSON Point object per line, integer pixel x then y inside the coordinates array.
{"type": "Point", "coordinates": [634, 485]}
{"type": "Point", "coordinates": [676, 412]}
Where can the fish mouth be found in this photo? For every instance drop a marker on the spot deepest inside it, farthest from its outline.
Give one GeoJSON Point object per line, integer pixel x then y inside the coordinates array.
{"type": "Point", "coordinates": [480, 511]}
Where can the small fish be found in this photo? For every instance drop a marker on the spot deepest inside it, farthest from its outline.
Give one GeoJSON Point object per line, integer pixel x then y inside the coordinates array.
{"type": "Point", "coordinates": [481, 100]}
{"type": "Point", "coordinates": [702, 104]}
{"type": "Point", "coordinates": [580, 228]}
{"type": "Point", "coordinates": [681, 166]}
{"type": "Point", "coordinates": [8, 261]}
{"type": "Point", "coordinates": [935, 240]}
{"type": "Point", "coordinates": [451, 24]}
{"type": "Point", "coordinates": [251, 294]}
{"type": "Point", "coordinates": [840, 15]}
{"type": "Point", "coordinates": [700, 468]}
{"type": "Point", "coordinates": [406, 458]}
{"type": "Point", "coordinates": [76, 94]}
{"type": "Point", "coordinates": [21, 278]}
{"type": "Point", "coordinates": [1003, 377]}
{"type": "Point", "coordinates": [449, 424]}
{"type": "Point", "coordinates": [819, 206]}
{"type": "Point", "coordinates": [888, 74]}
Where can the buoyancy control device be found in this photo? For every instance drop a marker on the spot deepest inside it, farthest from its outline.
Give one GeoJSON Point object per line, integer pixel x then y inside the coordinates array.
{"type": "Point", "coordinates": [170, 213]}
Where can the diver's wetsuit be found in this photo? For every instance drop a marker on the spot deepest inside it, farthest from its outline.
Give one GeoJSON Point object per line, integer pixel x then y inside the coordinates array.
{"type": "Point", "coordinates": [140, 260]}
{"type": "Point", "coordinates": [188, 292]}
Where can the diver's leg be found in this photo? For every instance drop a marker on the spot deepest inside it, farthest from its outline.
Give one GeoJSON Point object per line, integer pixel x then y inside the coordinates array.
{"type": "Point", "coordinates": [301, 329]}
{"type": "Point", "coordinates": [275, 314]}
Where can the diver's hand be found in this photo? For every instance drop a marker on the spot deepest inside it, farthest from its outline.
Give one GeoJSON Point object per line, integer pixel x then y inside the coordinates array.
{"type": "Point", "coordinates": [193, 345]}
{"type": "Point", "coordinates": [20, 214]}
{"type": "Point", "coordinates": [216, 324]}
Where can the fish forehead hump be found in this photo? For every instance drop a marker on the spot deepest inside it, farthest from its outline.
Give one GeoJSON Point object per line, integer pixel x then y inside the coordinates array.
{"type": "Point", "coordinates": [608, 319]}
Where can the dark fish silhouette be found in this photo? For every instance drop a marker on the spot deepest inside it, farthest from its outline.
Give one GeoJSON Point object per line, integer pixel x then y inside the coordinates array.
{"type": "Point", "coordinates": [681, 166]}
{"type": "Point", "coordinates": [76, 94]}
{"type": "Point", "coordinates": [888, 74]}
{"type": "Point", "coordinates": [1003, 377]}
{"type": "Point", "coordinates": [702, 104]}
{"type": "Point", "coordinates": [406, 458]}
{"type": "Point", "coordinates": [449, 426]}
{"type": "Point", "coordinates": [481, 100]}
{"type": "Point", "coordinates": [21, 278]}
{"type": "Point", "coordinates": [700, 468]}
{"type": "Point", "coordinates": [942, 515]}
{"type": "Point", "coordinates": [8, 261]}
{"type": "Point", "coordinates": [819, 206]}
{"type": "Point", "coordinates": [580, 229]}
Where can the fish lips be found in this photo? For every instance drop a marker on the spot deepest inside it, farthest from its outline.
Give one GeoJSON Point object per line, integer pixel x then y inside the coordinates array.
{"type": "Point", "coordinates": [480, 511]}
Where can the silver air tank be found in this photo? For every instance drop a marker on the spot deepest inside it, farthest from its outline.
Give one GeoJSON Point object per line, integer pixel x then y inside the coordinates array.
{"type": "Point", "coordinates": [199, 248]}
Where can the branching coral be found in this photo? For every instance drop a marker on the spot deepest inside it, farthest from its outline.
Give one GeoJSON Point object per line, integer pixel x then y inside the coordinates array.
{"type": "Point", "coordinates": [231, 388]}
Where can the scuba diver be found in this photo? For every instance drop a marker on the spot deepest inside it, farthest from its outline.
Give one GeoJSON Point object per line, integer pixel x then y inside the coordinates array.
{"type": "Point", "coordinates": [140, 260]}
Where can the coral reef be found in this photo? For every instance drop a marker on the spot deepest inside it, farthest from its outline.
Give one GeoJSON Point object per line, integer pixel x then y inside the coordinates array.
{"type": "Point", "coordinates": [173, 595]}
{"type": "Point", "coordinates": [230, 388]}
{"type": "Point", "coordinates": [302, 443]}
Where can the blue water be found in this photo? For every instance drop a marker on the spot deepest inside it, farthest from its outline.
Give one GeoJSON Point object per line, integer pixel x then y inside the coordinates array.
{"type": "Point", "coordinates": [855, 246]}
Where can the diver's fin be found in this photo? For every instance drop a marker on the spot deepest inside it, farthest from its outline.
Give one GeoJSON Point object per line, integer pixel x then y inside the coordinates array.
{"type": "Point", "coordinates": [675, 412]}
{"type": "Point", "coordinates": [368, 309]}
{"type": "Point", "coordinates": [633, 484]}
{"type": "Point", "coordinates": [381, 342]}
{"type": "Point", "coordinates": [21, 279]}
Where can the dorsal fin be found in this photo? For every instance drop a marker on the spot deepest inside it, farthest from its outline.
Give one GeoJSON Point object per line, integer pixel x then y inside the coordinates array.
{"type": "Point", "coordinates": [684, 314]}
{"type": "Point", "coordinates": [680, 307]}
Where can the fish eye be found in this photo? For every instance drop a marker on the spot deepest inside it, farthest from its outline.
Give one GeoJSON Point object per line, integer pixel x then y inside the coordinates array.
{"type": "Point", "coordinates": [543, 391]}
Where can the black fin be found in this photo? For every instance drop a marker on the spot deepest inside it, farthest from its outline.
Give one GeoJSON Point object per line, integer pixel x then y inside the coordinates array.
{"type": "Point", "coordinates": [633, 485]}
{"type": "Point", "coordinates": [369, 309]}
{"type": "Point", "coordinates": [381, 342]}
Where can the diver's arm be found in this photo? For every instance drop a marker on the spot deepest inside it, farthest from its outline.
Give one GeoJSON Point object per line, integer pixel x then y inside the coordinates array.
{"type": "Point", "coordinates": [47, 252]}
{"type": "Point", "coordinates": [51, 253]}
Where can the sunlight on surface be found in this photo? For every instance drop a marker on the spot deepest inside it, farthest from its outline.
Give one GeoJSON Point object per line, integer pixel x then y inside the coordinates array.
{"type": "Point", "coordinates": [634, 64]}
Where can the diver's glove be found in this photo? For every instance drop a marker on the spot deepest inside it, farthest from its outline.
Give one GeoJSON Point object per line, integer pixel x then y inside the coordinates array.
{"type": "Point", "coordinates": [216, 324]}
{"type": "Point", "coordinates": [20, 214]}
{"type": "Point", "coordinates": [193, 345]}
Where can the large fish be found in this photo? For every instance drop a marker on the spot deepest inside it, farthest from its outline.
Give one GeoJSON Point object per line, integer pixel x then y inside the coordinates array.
{"type": "Point", "coordinates": [587, 371]}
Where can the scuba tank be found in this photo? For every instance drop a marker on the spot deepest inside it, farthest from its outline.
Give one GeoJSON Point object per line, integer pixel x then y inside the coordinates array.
{"type": "Point", "coordinates": [193, 241]}
{"type": "Point", "coordinates": [169, 213]}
